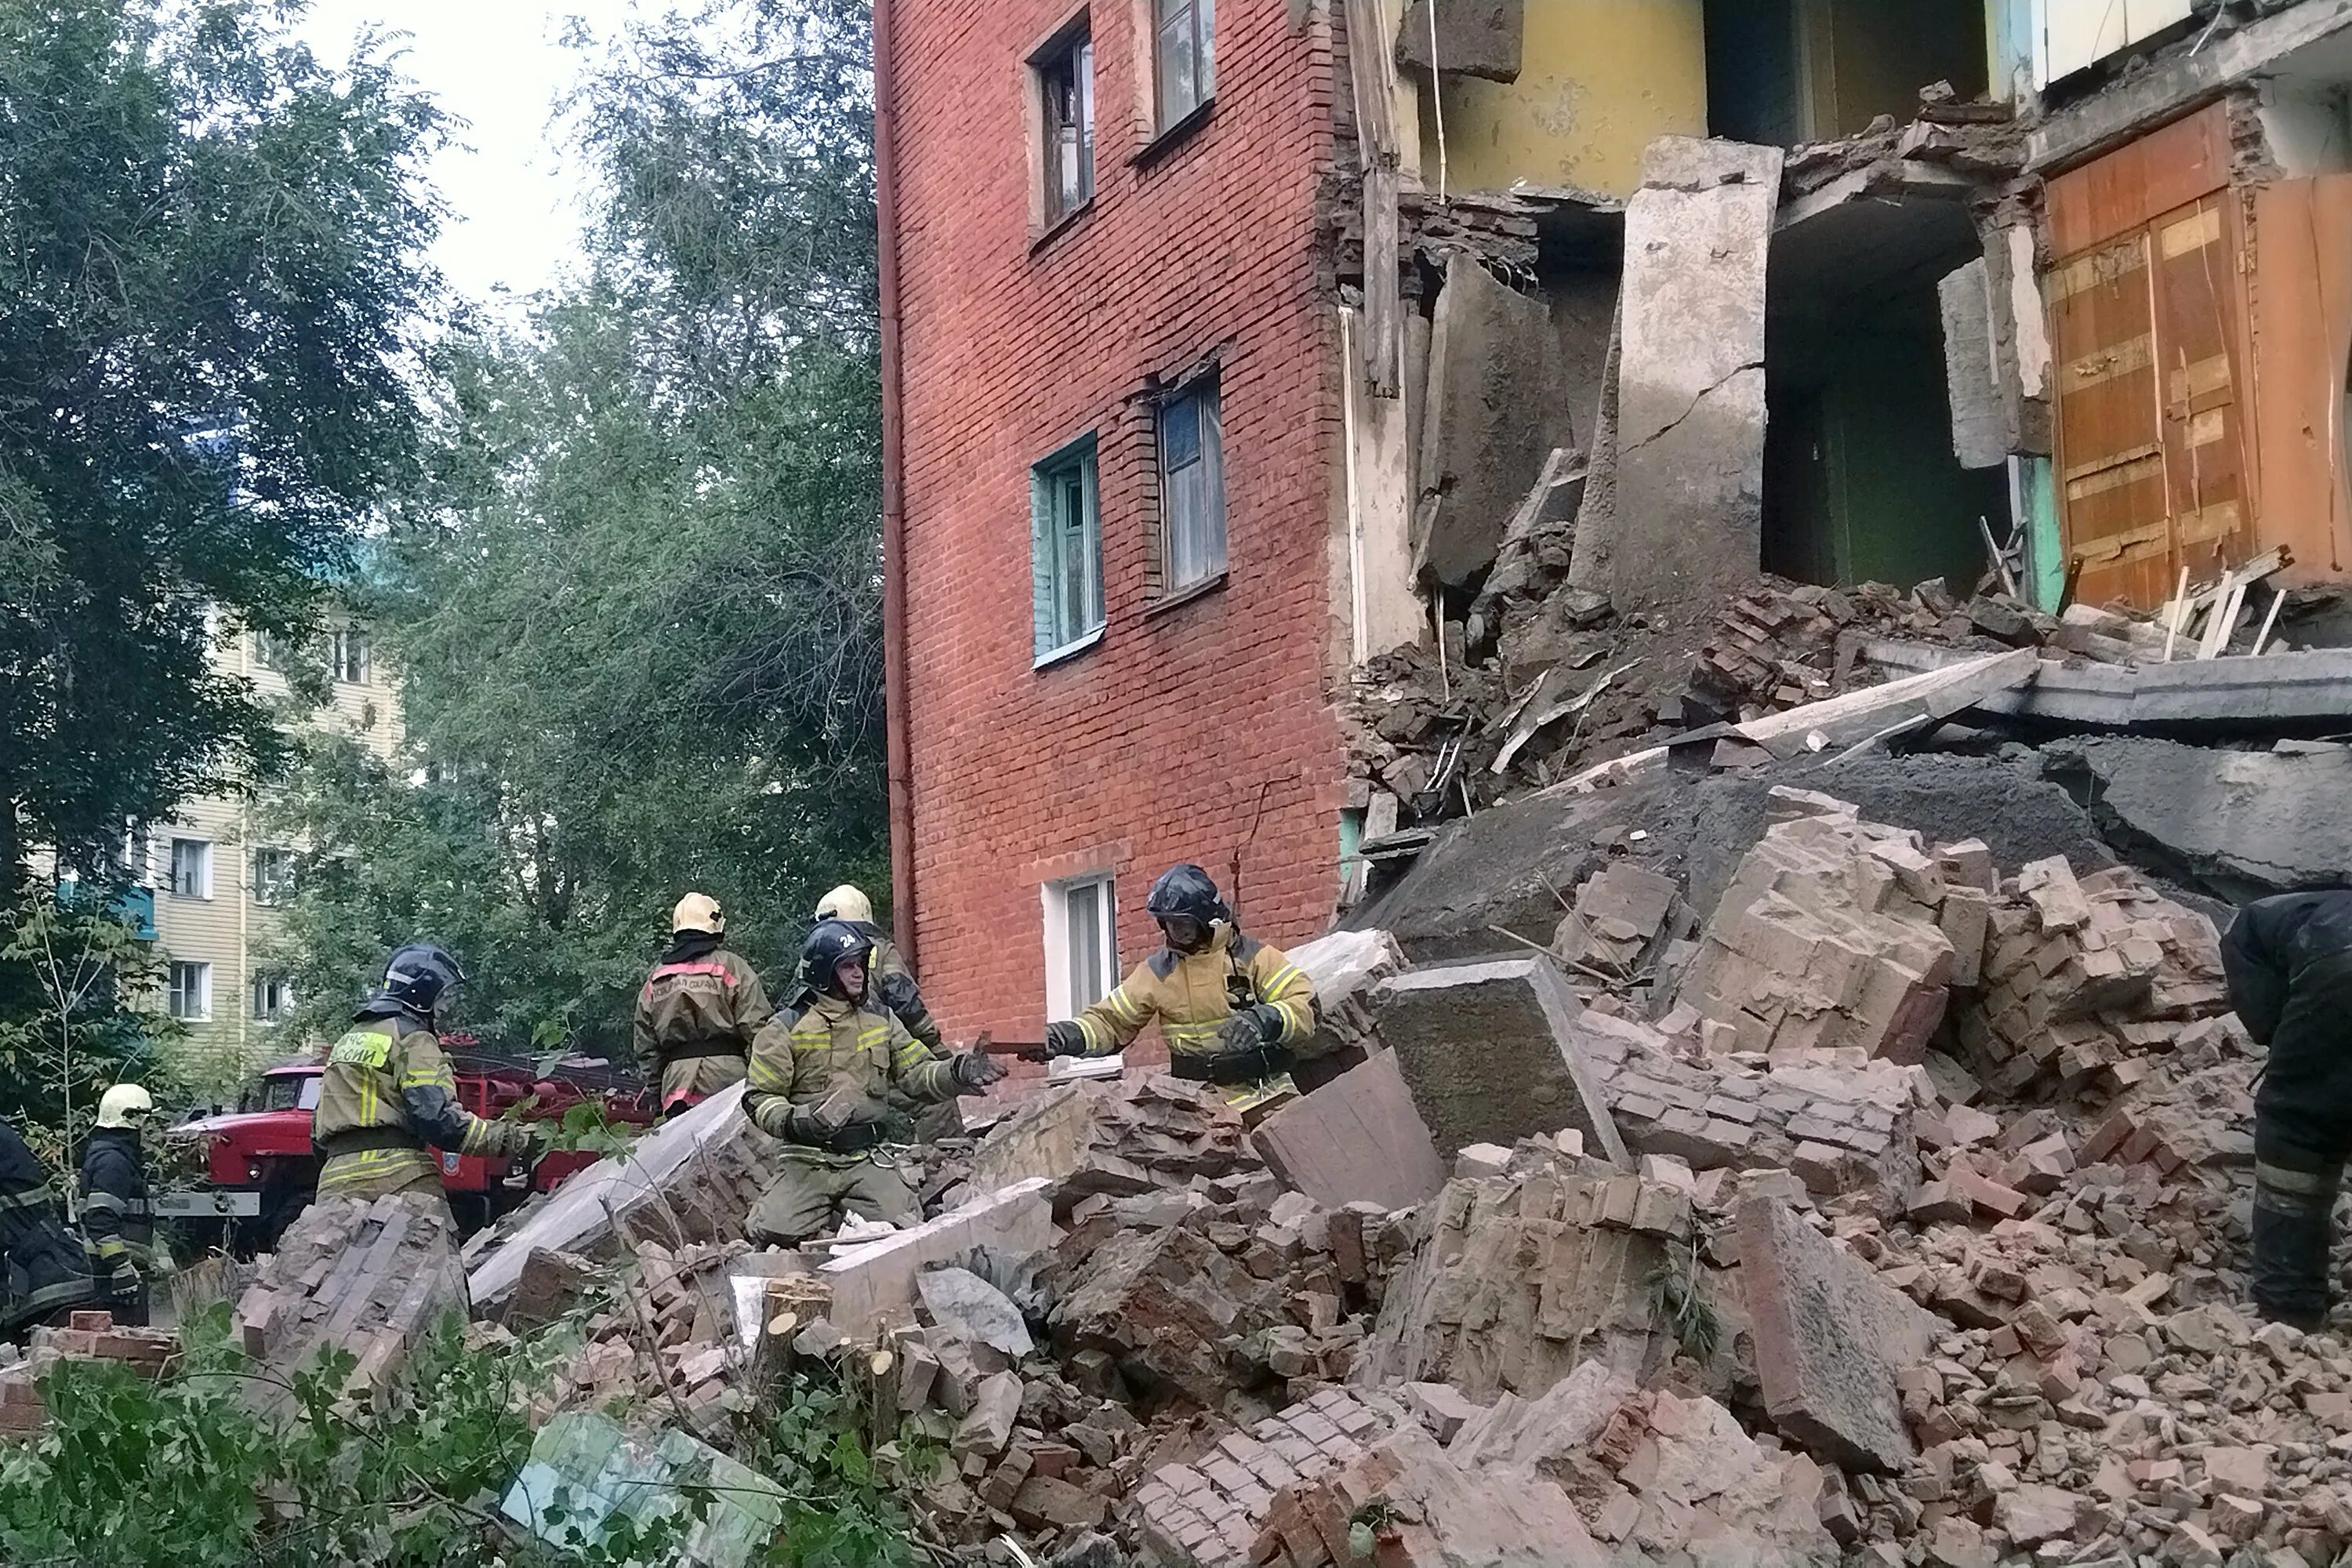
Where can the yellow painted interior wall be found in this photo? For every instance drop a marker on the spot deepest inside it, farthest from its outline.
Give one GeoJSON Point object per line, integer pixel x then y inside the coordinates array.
{"type": "Point", "coordinates": [1599, 82]}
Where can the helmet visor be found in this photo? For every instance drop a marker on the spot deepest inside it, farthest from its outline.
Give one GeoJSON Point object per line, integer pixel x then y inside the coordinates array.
{"type": "Point", "coordinates": [1184, 933]}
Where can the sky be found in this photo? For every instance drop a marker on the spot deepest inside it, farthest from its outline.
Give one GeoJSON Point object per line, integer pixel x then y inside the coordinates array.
{"type": "Point", "coordinates": [500, 66]}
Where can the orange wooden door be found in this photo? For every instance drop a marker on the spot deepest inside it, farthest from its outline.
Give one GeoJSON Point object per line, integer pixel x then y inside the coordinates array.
{"type": "Point", "coordinates": [2110, 438]}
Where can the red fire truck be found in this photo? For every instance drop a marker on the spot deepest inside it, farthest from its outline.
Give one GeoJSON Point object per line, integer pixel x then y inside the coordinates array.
{"type": "Point", "coordinates": [259, 1169]}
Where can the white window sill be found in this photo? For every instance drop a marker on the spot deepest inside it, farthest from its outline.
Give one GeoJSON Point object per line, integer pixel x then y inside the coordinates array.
{"type": "Point", "coordinates": [1068, 649]}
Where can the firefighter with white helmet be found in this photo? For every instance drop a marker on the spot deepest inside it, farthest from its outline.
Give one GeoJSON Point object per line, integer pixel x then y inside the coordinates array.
{"type": "Point", "coordinates": [699, 1010]}
{"type": "Point", "coordinates": [118, 1221]}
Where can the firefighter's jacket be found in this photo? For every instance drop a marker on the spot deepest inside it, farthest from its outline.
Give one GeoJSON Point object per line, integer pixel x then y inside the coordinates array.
{"type": "Point", "coordinates": [44, 1267]}
{"type": "Point", "coordinates": [116, 1215]}
{"type": "Point", "coordinates": [387, 1094]}
{"type": "Point", "coordinates": [1192, 995]}
{"type": "Point", "coordinates": [832, 1053]}
{"type": "Point", "coordinates": [895, 988]}
{"type": "Point", "coordinates": [698, 1014]}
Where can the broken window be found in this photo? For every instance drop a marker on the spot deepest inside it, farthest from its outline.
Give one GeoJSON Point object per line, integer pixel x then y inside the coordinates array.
{"type": "Point", "coordinates": [1065, 82]}
{"type": "Point", "coordinates": [1184, 56]}
{"type": "Point", "coordinates": [1191, 487]}
{"type": "Point", "coordinates": [1066, 551]}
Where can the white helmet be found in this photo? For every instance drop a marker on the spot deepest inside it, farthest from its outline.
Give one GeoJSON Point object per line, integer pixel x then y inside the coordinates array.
{"type": "Point", "coordinates": [125, 1105]}
{"type": "Point", "coordinates": [697, 912]}
{"type": "Point", "coordinates": [845, 903]}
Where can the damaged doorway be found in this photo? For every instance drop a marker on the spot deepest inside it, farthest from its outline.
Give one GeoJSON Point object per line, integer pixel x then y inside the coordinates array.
{"type": "Point", "coordinates": [1860, 483]}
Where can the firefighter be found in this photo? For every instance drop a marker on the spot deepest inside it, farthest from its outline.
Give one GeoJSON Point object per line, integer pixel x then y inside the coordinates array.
{"type": "Point", "coordinates": [387, 1094]}
{"type": "Point", "coordinates": [117, 1223]}
{"type": "Point", "coordinates": [2289, 963]}
{"type": "Point", "coordinates": [1233, 1009]}
{"type": "Point", "coordinates": [43, 1271]}
{"type": "Point", "coordinates": [895, 988]}
{"type": "Point", "coordinates": [819, 1073]}
{"type": "Point", "coordinates": [699, 1010]}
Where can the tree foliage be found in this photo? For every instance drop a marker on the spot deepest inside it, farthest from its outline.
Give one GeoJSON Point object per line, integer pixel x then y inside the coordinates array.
{"type": "Point", "coordinates": [637, 607]}
{"type": "Point", "coordinates": [212, 281]}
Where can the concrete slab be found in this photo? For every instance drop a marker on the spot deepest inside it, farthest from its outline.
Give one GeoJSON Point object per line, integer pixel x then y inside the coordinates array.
{"type": "Point", "coordinates": [2235, 693]}
{"type": "Point", "coordinates": [1682, 515]}
{"type": "Point", "coordinates": [1357, 1139]}
{"type": "Point", "coordinates": [2238, 825]}
{"type": "Point", "coordinates": [705, 1168]}
{"type": "Point", "coordinates": [1471, 37]}
{"type": "Point", "coordinates": [1829, 1338]}
{"type": "Point", "coordinates": [1971, 379]}
{"type": "Point", "coordinates": [1496, 408]}
{"type": "Point", "coordinates": [1492, 1054]}
{"type": "Point", "coordinates": [870, 1283]}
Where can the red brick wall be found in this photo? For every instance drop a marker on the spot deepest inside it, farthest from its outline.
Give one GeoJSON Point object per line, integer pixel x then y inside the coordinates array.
{"type": "Point", "coordinates": [1155, 745]}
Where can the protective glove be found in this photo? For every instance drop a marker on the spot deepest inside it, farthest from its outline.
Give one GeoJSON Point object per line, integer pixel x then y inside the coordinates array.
{"type": "Point", "coordinates": [975, 1070]}
{"type": "Point", "coordinates": [523, 1141]}
{"type": "Point", "coordinates": [1251, 1028]}
{"type": "Point", "coordinates": [1066, 1038]}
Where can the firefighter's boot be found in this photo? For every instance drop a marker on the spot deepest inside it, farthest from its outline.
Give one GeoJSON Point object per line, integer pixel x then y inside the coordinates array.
{"type": "Point", "coordinates": [2292, 1229]}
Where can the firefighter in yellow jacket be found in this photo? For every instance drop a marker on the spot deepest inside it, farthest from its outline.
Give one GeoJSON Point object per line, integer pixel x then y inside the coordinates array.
{"type": "Point", "coordinates": [895, 988]}
{"type": "Point", "coordinates": [699, 1010]}
{"type": "Point", "coordinates": [1233, 1009]}
{"type": "Point", "coordinates": [388, 1096]}
{"type": "Point", "coordinates": [820, 1073]}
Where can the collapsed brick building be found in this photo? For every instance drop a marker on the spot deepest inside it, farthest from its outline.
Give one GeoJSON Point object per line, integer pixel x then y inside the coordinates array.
{"type": "Point", "coordinates": [1232, 351]}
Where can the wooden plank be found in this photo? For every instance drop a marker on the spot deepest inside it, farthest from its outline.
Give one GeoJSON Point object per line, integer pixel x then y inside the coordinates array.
{"type": "Point", "coordinates": [2195, 279]}
{"type": "Point", "coordinates": [1371, 64]}
{"type": "Point", "coordinates": [2167, 168]}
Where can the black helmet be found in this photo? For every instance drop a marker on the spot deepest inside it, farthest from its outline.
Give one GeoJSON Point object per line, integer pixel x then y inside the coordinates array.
{"type": "Point", "coordinates": [1186, 891]}
{"type": "Point", "coordinates": [418, 974]}
{"type": "Point", "coordinates": [830, 943]}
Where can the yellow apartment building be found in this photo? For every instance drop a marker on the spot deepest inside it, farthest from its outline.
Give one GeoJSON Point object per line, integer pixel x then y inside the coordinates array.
{"type": "Point", "coordinates": [219, 880]}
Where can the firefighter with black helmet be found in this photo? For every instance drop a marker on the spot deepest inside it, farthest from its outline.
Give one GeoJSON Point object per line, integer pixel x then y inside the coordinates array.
{"type": "Point", "coordinates": [1233, 1009]}
{"type": "Point", "coordinates": [894, 987]}
{"type": "Point", "coordinates": [699, 1009]}
{"type": "Point", "coordinates": [388, 1096]}
{"type": "Point", "coordinates": [117, 1218]}
{"type": "Point", "coordinates": [44, 1270]}
{"type": "Point", "coordinates": [820, 1075]}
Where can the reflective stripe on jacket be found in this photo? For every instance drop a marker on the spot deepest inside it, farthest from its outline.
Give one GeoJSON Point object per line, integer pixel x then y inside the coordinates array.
{"type": "Point", "coordinates": [1192, 995]}
{"type": "Point", "coordinates": [836, 1051]}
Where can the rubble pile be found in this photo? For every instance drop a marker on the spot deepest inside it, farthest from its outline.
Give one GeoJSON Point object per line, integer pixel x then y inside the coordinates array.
{"type": "Point", "coordinates": [2081, 977]}
{"type": "Point", "coordinates": [368, 1276]}
{"type": "Point", "coordinates": [86, 1336]}
{"type": "Point", "coordinates": [1114, 1138]}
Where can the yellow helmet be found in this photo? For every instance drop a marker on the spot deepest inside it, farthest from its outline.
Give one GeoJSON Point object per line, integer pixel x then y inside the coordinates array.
{"type": "Point", "coordinates": [125, 1105]}
{"type": "Point", "coordinates": [697, 912]}
{"type": "Point", "coordinates": [845, 903]}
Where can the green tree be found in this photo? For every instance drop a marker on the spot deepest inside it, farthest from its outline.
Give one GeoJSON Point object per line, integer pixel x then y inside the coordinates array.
{"type": "Point", "coordinates": [212, 286]}
{"type": "Point", "coordinates": [637, 609]}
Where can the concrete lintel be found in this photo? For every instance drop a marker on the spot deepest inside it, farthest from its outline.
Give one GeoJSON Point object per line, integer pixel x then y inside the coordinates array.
{"type": "Point", "coordinates": [2179, 84]}
{"type": "Point", "coordinates": [2233, 691]}
{"type": "Point", "coordinates": [1893, 183]}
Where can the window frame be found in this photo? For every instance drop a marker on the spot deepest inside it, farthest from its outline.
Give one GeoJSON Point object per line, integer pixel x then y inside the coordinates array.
{"type": "Point", "coordinates": [1061, 981]}
{"type": "Point", "coordinates": [1067, 54]}
{"type": "Point", "coordinates": [340, 649]}
{"type": "Point", "coordinates": [1166, 119]}
{"type": "Point", "coordinates": [271, 979]}
{"type": "Point", "coordinates": [1050, 640]}
{"type": "Point", "coordinates": [189, 1002]}
{"type": "Point", "coordinates": [270, 892]}
{"type": "Point", "coordinates": [1205, 392]}
{"type": "Point", "coordinates": [202, 860]}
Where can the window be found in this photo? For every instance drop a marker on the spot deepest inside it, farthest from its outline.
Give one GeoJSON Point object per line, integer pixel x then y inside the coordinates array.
{"type": "Point", "coordinates": [1184, 56]}
{"type": "Point", "coordinates": [273, 997]}
{"type": "Point", "coordinates": [277, 653]}
{"type": "Point", "coordinates": [191, 992]}
{"type": "Point", "coordinates": [1065, 538]}
{"type": "Point", "coordinates": [285, 1092]}
{"type": "Point", "coordinates": [347, 656]}
{"type": "Point", "coordinates": [1081, 947]}
{"type": "Point", "coordinates": [273, 876]}
{"type": "Point", "coordinates": [1066, 84]}
{"type": "Point", "coordinates": [192, 868]}
{"type": "Point", "coordinates": [1191, 487]}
